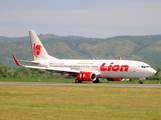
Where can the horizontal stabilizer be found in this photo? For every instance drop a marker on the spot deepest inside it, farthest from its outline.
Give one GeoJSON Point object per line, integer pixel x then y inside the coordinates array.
{"type": "Point", "coordinates": [17, 61]}
{"type": "Point", "coordinates": [25, 61]}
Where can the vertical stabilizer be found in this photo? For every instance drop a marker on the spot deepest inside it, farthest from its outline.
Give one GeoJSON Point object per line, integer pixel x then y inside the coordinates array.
{"type": "Point", "coordinates": [37, 49]}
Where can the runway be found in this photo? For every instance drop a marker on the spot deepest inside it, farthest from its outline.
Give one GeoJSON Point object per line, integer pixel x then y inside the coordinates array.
{"type": "Point", "coordinates": [83, 84]}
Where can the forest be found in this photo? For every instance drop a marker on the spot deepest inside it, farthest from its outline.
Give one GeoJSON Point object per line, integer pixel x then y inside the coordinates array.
{"type": "Point", "coordinates": [141, 48]}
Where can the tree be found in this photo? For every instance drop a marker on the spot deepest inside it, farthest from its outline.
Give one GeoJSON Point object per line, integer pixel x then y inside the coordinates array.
{"type": "Point", "coordinates": [2, 69]}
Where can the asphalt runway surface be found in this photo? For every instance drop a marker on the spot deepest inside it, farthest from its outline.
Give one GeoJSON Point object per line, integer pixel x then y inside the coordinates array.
{"type": "Point", "coordinates": [83, 84]}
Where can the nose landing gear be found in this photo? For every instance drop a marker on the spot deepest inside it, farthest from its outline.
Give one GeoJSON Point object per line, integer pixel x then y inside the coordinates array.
{"type": "Point", "coordinates": [141, 80]}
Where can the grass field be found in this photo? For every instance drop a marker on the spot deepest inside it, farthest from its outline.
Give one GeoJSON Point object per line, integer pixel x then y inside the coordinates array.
{"type": "Point", "coordinates": [18, 102]}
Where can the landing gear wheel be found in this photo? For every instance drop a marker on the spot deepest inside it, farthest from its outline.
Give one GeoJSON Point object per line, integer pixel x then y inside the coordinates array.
{"type": "Point", "coordinates": [140, 82]}
{"type": "Point", "coordinates": [77, 81]}
{"type": "Point", "coordinates": [96, 81]}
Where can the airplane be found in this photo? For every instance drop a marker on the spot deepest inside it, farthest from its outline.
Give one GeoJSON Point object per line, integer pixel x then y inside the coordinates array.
{"type": "Point", "coordinates": [85, 70]}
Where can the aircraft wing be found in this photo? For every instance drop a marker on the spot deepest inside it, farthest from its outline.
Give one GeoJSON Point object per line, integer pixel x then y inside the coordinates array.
{"type": "Point", "coordinates": [57, 69]}
{"type": "Point", "coordinates": [61, 70]}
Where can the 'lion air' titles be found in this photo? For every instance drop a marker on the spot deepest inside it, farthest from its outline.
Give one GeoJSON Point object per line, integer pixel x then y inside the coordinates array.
{"type": "Point", "coordinates": [113, 67]}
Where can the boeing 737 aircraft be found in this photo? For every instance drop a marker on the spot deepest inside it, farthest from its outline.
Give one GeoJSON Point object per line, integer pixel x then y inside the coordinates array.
{"type": "Point", "coordinates": [85, 70]}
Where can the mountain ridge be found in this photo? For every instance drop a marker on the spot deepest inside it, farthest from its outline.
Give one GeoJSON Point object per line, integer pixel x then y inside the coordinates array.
{"type": "Point", "coordinates": [142, 48]}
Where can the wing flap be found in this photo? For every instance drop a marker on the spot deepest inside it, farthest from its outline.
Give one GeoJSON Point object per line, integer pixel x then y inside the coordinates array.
{"type": "Point", "coordinates": [58, 69]}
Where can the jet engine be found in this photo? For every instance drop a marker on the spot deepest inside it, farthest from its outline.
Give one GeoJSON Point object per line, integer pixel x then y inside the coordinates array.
{"type": "Point", "coordinates": [86, 76]}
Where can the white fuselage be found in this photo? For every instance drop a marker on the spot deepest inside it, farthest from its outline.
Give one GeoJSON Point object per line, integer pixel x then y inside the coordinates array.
{"type": "Point", "coordinates": [105, 68]}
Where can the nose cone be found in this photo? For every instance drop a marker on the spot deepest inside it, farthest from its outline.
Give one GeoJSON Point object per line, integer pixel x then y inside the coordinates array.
{"type": "Point", "coordinates": [152, 72]}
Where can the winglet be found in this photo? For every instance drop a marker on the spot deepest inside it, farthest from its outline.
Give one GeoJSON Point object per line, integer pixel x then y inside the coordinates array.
{"type": "Point", "coordinates": [16, 61]}
{"type": "Point", "coordinates": [119, 58]}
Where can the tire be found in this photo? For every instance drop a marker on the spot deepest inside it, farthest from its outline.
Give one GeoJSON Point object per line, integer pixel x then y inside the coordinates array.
{"type": "Point", "coordinates": [96, 81]}
{"type": "Point", "coordinates": [140, 82]}
{"type": "Point", "coordinates": [77, 81]}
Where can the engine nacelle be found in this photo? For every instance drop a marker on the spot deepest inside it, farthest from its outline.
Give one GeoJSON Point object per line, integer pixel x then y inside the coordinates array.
{"type": "Point", "coordinates": [113, 79]}
{"type": "Point", "coordinates": [86, 76]}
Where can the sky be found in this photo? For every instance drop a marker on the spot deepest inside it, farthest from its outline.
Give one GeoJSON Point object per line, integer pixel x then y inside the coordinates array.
{"type": "Point", "coordinates": [86, 18]}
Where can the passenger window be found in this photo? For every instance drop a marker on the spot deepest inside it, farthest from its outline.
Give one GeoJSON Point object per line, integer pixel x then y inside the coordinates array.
{"type": "Point", "coordinates": [145, 66]}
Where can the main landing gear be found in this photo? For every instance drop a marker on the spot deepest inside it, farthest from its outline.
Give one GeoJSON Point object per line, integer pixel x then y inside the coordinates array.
{"type": "Point", "coordinates": [77, 81]}
{"type": "Point", "coordinates": [140, 82]}
{"type": "Point", "coordinates": [96, 81]}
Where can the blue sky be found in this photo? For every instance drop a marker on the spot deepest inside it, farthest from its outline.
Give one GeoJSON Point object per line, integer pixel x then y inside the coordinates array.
{"type": "Point", "coordinates": [87, 18]}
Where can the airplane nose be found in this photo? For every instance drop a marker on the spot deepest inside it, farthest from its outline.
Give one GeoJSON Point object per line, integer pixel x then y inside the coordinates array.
{"type": "Point", "coordinates": [152, 72]}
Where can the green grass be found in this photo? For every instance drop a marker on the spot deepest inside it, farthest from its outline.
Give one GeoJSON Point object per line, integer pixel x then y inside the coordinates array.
{"type": "Point", "coordinates": [61, 79]}
{"type": "Point", "coordinates": [79, 103]}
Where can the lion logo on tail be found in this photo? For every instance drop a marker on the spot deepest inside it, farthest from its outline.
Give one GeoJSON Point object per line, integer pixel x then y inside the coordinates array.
{"type": "Point", "coordinates": [36, 50]}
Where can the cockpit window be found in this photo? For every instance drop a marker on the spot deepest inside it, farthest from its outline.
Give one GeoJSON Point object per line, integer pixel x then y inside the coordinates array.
{"type": "Point", "coordinates": [145, 66]}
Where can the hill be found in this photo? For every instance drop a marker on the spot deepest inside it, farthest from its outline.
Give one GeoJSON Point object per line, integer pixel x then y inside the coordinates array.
{"type": "Point", "coordinates": [142, 48]}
